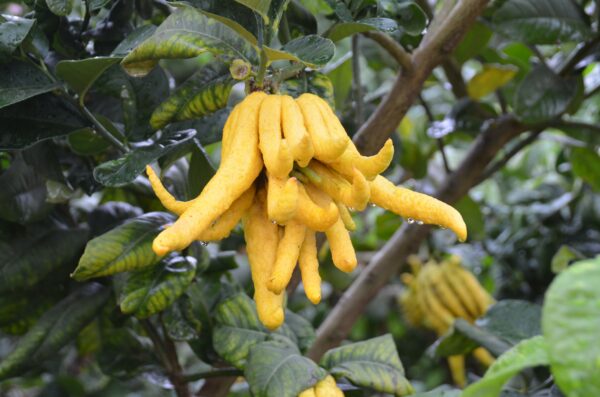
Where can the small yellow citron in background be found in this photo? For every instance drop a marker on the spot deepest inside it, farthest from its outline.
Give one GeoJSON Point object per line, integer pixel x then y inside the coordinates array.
{"type": "Point", "coordinates": [289, 169]}
{"type": "Point", "coordinates": [324, 388]}
{"type": "Point", "coordinates": [436, 295]}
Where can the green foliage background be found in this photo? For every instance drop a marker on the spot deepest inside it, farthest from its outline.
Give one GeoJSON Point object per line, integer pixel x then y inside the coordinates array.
{"type": "Point", "coordinates": [93, 91]}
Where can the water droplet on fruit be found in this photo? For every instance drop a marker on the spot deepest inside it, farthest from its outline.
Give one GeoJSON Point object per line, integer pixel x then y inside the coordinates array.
{"type": "Point", "coordinates": [410, 221]}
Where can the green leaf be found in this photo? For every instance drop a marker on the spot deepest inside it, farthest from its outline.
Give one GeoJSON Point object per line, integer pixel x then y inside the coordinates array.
{"type": "Point", "coordinates": [409, 16]}
{"type": "Point", "coordinates": [260, 6]}
{"type": "Point", "coordinates": [489, 79]}
{"type": "Point", "coordinates": [138, 98]}
{"type": "Point", "coordinates": [512, 320]}
{"type": "Point", "coordinates": [18, 313]}
{"type": "Point", "coordinates": [87, 143]}
{"type": "Point", "coordinates": [125, 169]}
{"type": "Point", "coordinates": [60, 7]}
{"type": "Point", "coordinates": [200, 170]}
{"type": "Point", "coordinates": [277, 369]}
{"type": "Point", "coordinates": [205, 92]}
{"type": "Point", "coordinates": [55, 328]}
{"type": "Point", "coordinates": [81, 74]}
{"type": "Point", "coordinates": [152, 290]}
{"type": "Point", "coordinates": [13, 30]}
{"type": "Point", "coordinates": [472, 215]}
{"type": "Point", "coordinates": [563, 258]}
{"type": "Point", "coordinates": [543, 95]}
{"type": "Point", "coordinates": [38, 118]}
{"type": "Point", "coordinates": [185, 34]}
{"type": "Point", "coordinates": [311, 50]}
{"type": "Point", "coordinates": [303, 331]}
{"type": "Point", "coordinates": [134, 39]}
{"type": "Point", "coordinates": [209, 128]}
{"type": "Point", "coordinates": [27, 259]}
{"type": "Point", "coordinates": [586, 165]}
{"type": "Point", "coordinates": [464, 337]}
{"type": "Point", "coordinates": [342, 30]}
{"type": "Point", "coordinates": [541, 22]}
{"type": "Point", "coordinates": [311, 81]}
{"type": "Point", "coordinates": [21, 80]}
{"type": "Point", "coordinates": [373, 363]}
{"type": "Point", "coordinates": [473, 43]}
{"type": "Point", "coordinates": [181, 321]}
{"type": "Point", "coordinates": [570, 323]}
{"type": "Point", "coordinates": [528, 353]}
{"type": "Point", "coordinates": [442, 391]}
{"type": "Point", "coordinates": [124, 248]}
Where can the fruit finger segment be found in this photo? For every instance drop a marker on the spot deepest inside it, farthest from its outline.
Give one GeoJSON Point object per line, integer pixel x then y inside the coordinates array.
{"type": "Point", "coordinates": [235, 175]}
{"type": "Point", "coordinates": [276, 154]}
{"type": "Point", "coordinates": [282, 199]}
{"type": "Point", "coordinates": [342, 251]}
{"type": "Point", "coordinates": [483, 356]}
{"type": "Point", "coordinates": [222, 227]}
{"type": "Point", "coordinates": [355, 195]}
{"type": "Point", "coordinates": [166, 198]}
{"type": "Point", "coordinates": [346, 217]}
{"type": "Point", "coordinates": [319, 215]}
{"type": "Point", "coordinates": [417, 206]}
{"type": "Point", "coordinates": [288, 252]}
{"type": "Point", "coordinates": [454, 282]}
{"type": "Point", "coordinates": [327, 147]}
{"type": "Point", "coordinates": [437, 285]}
{"type": "Point", "coordinates": [310, 392]}
{"type": "Point", "coordinates": [295, 132]}
{"type": "Point", "coordinates": [309, 267]}
{"type": "Point", "coordinates": [328, 388]}
{"type": "Point", "coordinates": [370, 166]}
{"type": "Point", "coordinates": [262, 239]}
{"type": "Point", "coordinates": [457, 370]}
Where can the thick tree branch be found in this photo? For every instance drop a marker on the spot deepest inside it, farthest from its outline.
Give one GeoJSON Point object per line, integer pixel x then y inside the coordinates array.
{"type": "Point", "coordinates": [437, 44]}
{"type": "Point", "coordinates": [393, 254]}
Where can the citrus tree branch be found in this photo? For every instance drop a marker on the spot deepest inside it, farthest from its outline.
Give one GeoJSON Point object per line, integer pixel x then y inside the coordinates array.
{"type": "Point", "coordinates": [391, 257]}
{"type": "Point", "coordinates": [436, 46]}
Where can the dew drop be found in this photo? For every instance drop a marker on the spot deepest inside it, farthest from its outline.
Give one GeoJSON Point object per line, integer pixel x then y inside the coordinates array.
{"type": "Point", "coordinates": [351, 209]}
{"type": "Point", "coordinates": [274, 222]}
{"type": "Point", "coordinates": [420, 222]}
{"type": "Point", "coordinates": [204, 243]}
{"type": "Point", "coordinates": [373, 205]}
{"type": "Point", "coordinates": [410, 221]}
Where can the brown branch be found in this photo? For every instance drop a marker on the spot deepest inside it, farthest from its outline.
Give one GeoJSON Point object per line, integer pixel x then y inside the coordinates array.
{"type": "Point", "coordinates": [436, 46]}
{"type": "Point", "coordinates": [455, 78]}
{"type": "Point", "coordinates": [393, 254]}
{"type": "Point", "coordinates": [393, 48]}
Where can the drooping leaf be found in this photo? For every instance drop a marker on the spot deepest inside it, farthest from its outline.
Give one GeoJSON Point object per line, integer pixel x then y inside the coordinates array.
{"type": "Point", "coordinates": [13, 30]}
{"type": "Point", "coordinates": [586, 165]}
{"type": "Point", "coordinates": [373, 363]}
{"type": "Point", "coordinates": [80, 74]}
{"type": "Point", "coordinates": [541, 22]}
{"type": "Point", "coordinates": [304, 333]}
{"type": "Point", "coordinates": [563, 257]}
{"type": "Point", "coordinates": [205, 92]}
{"type": "Point", "coordinates": [311, 50]}
{"type": "Point", "coordinates": [185, 34]}
{"type": "Point", "coordinates": [570, 323]}
{"type": "Point", "coordinates": [124, 248]}
{"type": "Point", "coordinates": [38, 118]}
{"type": "Point", "coordinates": [181, 321]}
{"type": "Point", "coordinates": [464, 337]}
{"type": "Point", "coordinates": [29, 258]}
{"type": "Point", "coordinates": [528, 353]}
{"type": "Point", "coordinates": [151, 290]}
{"type": "Point", "coordinates": [301, 22]}
{"type": "Point", "coordinates": [491, 78]}
{"type": "Point", "coordinates": [473, 43]}
{"type": "Point", "coordinates": [21, 80]}
{"type": "Point", "coordinates": [60, 7]}
{"type": "Point", "coordinates": [277, 369]}
{"type": "Point", "coordinates": [345, 29]}
{"type": "Point", "coordinates": [55, 328]}
{"type": "Point", "coordinates": [512, 320]}
{"type": "Point", "coordinates": [260, 6]}
{"type": "Point", "coordinates": [134, 99]}
{"type": "Point", "coordinates": [125, 169]}
{"type": "Point", "coordinates": [543, 95]}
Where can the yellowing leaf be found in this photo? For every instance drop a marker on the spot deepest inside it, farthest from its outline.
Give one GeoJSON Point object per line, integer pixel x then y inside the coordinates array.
{"type": "Point", "coordinates": [490, 79]}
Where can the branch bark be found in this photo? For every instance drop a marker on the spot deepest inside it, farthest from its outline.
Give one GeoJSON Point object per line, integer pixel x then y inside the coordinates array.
{"type": "Point", "coordinates": [437, 44]}
{"type": "Point", "coordinates": [393, 254]}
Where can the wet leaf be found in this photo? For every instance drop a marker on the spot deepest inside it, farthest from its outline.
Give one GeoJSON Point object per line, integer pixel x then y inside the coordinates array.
{"type": "Point", "coordinates": [80, 74]}
{"type": "Point", "coordinates": [21, 80]}
{"type": "Point", "coordinates": [345, 29]}
{"type": "Point", "coordinates": [13, 30]}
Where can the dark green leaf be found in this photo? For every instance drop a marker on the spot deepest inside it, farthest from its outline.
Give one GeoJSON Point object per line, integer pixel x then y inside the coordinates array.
{"type": "Point", "coordinates": [210, 127]}
{"type": "Point", "coordinates": [137, 97]}
{"type": "Point", "coordinates": [473, 43]}
{"type": "Point", "coordinates": [124, 248]}
{"type": "Point", "coordinates": [109, 215]}
{"type": "Point", "coordinates": [81, 74]}
{"type": "Point", "coordinates": [442, 391]}
{"type": "Point", "coordinates": [314, 82]}
{"type": "Point", "coordinates": [543, 95]}
{"type": "Point", "coordinates": [304, 333]}
{"type": "Point", "coordinates": [345, 29]}
{"type": "Point", "coordinates": [55, 329]}
{"type": "Point", "coordinates": [312, 50]}
{"type": "Point", "coordinates": [409, 16]}
{"type": "Point", "coordinates": [185, 34]}
{"type": "Point", "coordinates": [134, 39]}
{"type": "Point", "coordinates": [541, 22]}
{"type": "Point", "coordinates": [464, 337]}
{"type": "Point", "coordinates": [27, 259]}
{"type": "Point", "coordinates": [149, 291]}
{"type": "Point", "coordinates": [21, 80]}
{"type": "Point", "coordinates": [181, 321]}
{"type": "Point", "coordinates": [259, 6]}
{"type": "Point", "coordinates": [124, 170]}
{"type": "Point", "coordinates": [60, 7]}
{"type": "Point", "coordinates": [205, 92]}
{"type": "Point", "coordinates": [200, 171]}
{"type": "Point", "coordinates": [373, 363]}
{"type": "Point", "coordinates": [86, 142]}
{"type": "Point", "coordinates": [300, 21]}
{"type": "Point", "coordinates": [13, 30]}
{"type": "Point", "coordinates": [38, 118]}
{"type": "Point", "coordinates": [570, 323]}
{"type": "Point", "coordinates": [512, 320]}
{"type": "Point", "coordinates": [586, 165]}
{"type": "Point", "coordinates": [277, 369]}
{"type": "Point", "coordinates": [528, 353]}
{"type": "Point", "coordinates": [563, 258]}
{"type": "Point", "coordinates": [472, 215]}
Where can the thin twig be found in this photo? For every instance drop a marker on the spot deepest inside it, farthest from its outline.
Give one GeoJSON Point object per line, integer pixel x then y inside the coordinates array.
{"type": "Point", "coordinates": [539, 55]}
{"type": "Point", "coordinates": [581, 52]}
{"type": "Point", "coordinates": [440, 141]}
{"type": "Point", "coordinates": [502, 101]}
{"type": "Point", "coordinates": [576, 124]}
{"type": "Point", "coordinates": [101, 129]}
{"type": "Point", "coordinates": [357, 91]}
{"type": "Point", "coordinates": [393, 48]}
{"type": "Point", "coordinates": [454, 76]}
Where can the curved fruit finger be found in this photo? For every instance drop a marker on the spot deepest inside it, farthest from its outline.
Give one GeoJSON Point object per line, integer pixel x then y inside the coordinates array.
{"type": "Point", "coordinates": [294, 131]}
{"type": "Point", "coordinates": [369, 166]}
{"type": "Point", "coordinates": [166, 198]}
{"type": "Point", "coordinates": [446, 294]}
{"type": "Point", "coordinates": [417, 206]}
{"type": "Point", "coordinates": [282, 199]}
{"type": "Point", "coordinates": [309, 267]}
{"type": "Point", "coordinates": [262, 239]}
{"type": "Point", "coordinates": [342, 251]}
{"type": "Point", "coordinates": [483, 356]}
{"type": "Point", "coordinates": [317, 211]}
{"type": "Point", "coordinates": [436, 315]}
{"type": "Point", "coordinates": [457, 370]}
{"type": "Point", "coordinates": [328, 388]}
{"type": "Point", "coordinates": [480, 296]}
{"type": "Point", "coordinates": [275, 151]}
{"type": "Point", "coordinates": [346, 217]}
{"type": "Point", "coordinates": [288, 252]}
